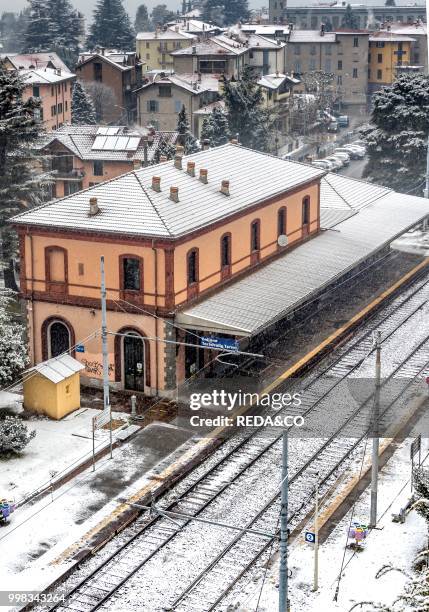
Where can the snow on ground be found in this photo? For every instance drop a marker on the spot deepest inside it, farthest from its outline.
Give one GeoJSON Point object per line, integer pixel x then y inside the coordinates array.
{"type": "Point", "coordinates": [58, 447]}
{"type": "Point", "coordinates": [393, 543]}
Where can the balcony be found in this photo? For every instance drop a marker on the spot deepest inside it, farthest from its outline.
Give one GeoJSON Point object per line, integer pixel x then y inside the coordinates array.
{"type": "Point", "coordinates": [74, 174]}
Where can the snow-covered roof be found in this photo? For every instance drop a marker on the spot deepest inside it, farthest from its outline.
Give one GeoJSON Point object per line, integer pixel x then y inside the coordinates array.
{"type": "Point", "coordinates": [130, 206]}
{"type": "Point", "coordinates": [58, 369]}
{"type": "Point", "coordinates": [193, 26]}
{"type": "Point", "coordinates": [35, 60]}
{"type": "Point", "coordinates": [196, 84]}
{"type": "Point", "coordinates": [408, 29]}
{"type": "Point", "coordinates": [274, 81]}
{"type": "Point", "coordinates": [114, 58]}
{"type": "Point", "coordinates": [311, 36]}
{"type": "Point", "coordinates": [45, 76]}
{"type": "Point", "coordinates": [384, 36]}
{"type": "Point", "coordinates": [265, 30]}
{"type": "Point", "coordinates": [218, 45]}
{"type": "Point", "coordinates": [84, 141]}
{"type": "Point", "coordinates": [169, 34]}
{"type": "Point", "coordinates": [208, 108]}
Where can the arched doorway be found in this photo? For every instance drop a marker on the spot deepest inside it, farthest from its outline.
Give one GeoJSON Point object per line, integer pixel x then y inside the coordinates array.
{"type": "Point", "coordinates": [59, 340]}
{"type": "Point", "coordinates": [133, 351]}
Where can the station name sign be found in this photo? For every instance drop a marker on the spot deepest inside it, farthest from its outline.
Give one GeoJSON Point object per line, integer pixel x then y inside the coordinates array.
{"type": "Point", "coordinates": [226, 344]}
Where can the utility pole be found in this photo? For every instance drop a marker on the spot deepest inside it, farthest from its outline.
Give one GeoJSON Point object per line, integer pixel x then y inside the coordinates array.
{"type": "Point", "coordinates": [316, 535]}
{"type": "Point", "coordinates": [106, 398]}
{"type": "Point", "coordinates": [375, 439]}
{"type": "Point", "coordinates": [426, 191]}
{"type": "Point", "coordinates": [283, 572]}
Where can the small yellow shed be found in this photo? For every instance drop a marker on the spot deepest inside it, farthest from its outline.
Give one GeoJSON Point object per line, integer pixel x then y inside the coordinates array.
{"type": "Point", "coordinates": [53, 387]}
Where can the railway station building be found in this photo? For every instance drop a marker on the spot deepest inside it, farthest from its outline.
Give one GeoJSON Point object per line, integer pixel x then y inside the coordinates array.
{"type": "Point", "coordinates": [218, 246]}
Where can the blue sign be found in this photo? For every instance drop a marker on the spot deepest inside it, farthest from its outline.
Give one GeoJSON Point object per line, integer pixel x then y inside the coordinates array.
{"type": "Point", "coordinates": [225, 344]}
{"type": "Point", "coordinates": [80, 348]}
{"type": "Point", "coordinates": [310, 537]}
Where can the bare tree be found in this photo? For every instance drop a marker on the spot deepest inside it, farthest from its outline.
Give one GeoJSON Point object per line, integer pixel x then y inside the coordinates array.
{"type": "Point", "coordinates": [103, 98]}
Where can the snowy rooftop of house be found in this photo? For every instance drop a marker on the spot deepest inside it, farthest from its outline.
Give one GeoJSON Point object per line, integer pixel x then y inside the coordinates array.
{"type": "Point", "coordinates": [58, 369]}
{"type": "Point", "coordinates": [45, 76]}
{"type": "Point", "coordinates": [408, 29]}
{"type": "Point", "coordinates": [169, 34]}
{"type": "Point", "coordinates": [130, 206]}
{"type": "Point", "coordinates": [193, 26]}
{"type": "Point", "coordinates": [119, 59]}
{"type": "Point", "coordinates": [35, 60]}
{"type": "Point", "coordinates": [115, 143]}
{"type": "Point", "coordinates": [385, 36]}
{"type": "Point", "coordinates": [218, 45]}
{"type": "Point", "coordinates": [274, 81]}
{"type": "Point", "coordinates": [194, 83]}
{"type": "Point", "coordinates": [366, 218]}
{"type": "Point", "coordinates": [208, 108]}
{"type": "Point", "coordinates": [265, 30]}
{"type": "Point", "coordinates": [311, 36]}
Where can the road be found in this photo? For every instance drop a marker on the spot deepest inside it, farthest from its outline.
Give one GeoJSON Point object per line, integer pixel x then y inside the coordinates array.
{"type": "Point", "coordinates": [354, 169]}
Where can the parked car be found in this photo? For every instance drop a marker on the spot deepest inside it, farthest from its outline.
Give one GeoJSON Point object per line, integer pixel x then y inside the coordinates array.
{"type": "Point", "coordinates": [354, 153]}
{"type": "Point", "coordinates": [343, 121]}
{"type": "Point", "coordinates": [358, 151]}
{"type": "Point", "coordinates": [324, 164]}
{"type": "Point", "coordinates": [338, 164]}
{"type": "Point", "coordinates": [343, 155]}
{"type": "Point", "coordinates": [333, 126]}
{"type": "Point", "coordinates": [359, 143]}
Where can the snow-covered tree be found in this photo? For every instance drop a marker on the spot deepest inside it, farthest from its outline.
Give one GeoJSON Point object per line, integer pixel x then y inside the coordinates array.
{"type": "Point", "coordinates": [21, 184]}
{"type": "Point", "coordinates": [186, 138]}
{"type": "Point", "coordinates": [83, 111]}
{"type": "Point", "coordinates": [215, 128]}
{"type": "Point", "coordinates": [111, 27]}
{"type": "Point", "coordinates": [13, 354]}
{"type": "Point", "coordinates": [246, 115]}
{"type": "Point", "coordinates": [164, 148]}
{"type": "Point", "coordinates": [13, 28]}
{"type": "Point", "coordinates": [225, 12]}
{"type": "Point", "coordinates": [397, 137]}
{"type": "Point", "coordinates": [161, 15]}
{"type": "Point", "coordinates": [66, 30]}
{"type": "Point", "coordinates": [40, 28]}
{"type": "Point", "coordinates": [349, 20]}
{"type": "Point", "coordinates": [142, 22]}
{"type": "Point", "coordinates": [14, 435]}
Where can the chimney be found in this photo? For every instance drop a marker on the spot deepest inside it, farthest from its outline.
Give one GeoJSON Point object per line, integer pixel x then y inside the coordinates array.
{"type": "Point", "coordinates": [191, 168]}
{"type": "Point", "coordinates": [180, 150]}
{"type": "Point", "coordinates": [206, 144]}
{"type": "Point", "coordinates": [234, 141]}
{"type": "Point", "coordinates": [225, 188]}
{"type": "Point", "coordinates": [156, 183]}
{"type": "Point", "coordinates": [93, 207]}
{"type": "Point", "coordinates": [163, 159]}
{"type": "Point", "coordinates": [174, 194]}
{"type": "Point", "coordinates": [178, 162]}
{"type": "Point", "coordinates": [194, 49]}
{"type": "Point", "coordinates": [204, 176]}
{"type": "Point", "coordinates": [322, 29]}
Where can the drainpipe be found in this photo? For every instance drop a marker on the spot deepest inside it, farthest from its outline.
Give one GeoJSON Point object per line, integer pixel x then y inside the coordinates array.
{"type": "Point", "coordinates": [155, 253]}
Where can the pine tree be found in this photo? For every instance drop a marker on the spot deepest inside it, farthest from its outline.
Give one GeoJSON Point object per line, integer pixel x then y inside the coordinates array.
{"type": "Point", "coordinates": [186, 138]}
{"type": "Point", "coordinates": [349, 20]}
{"type": "Point", "coordinates": [225, 12]}
{"type": "Point", "coordinates": [13, 354]}
{"type": "Point", "coordinates": [111, 27]}
{"type": "Point", "coordinates": [40, 28]}
{"type": "Point", "coordinates": [397, 137]}
{"type": "Point", "coordinates": [66, 29]}
{"type": "Point", "coordinates": [14, 435]}
{"type": "Point", "coordinates": [165, 149]}
{"type": "Point", "coordinates": [21, 185]}
{"type": "Point", "coordinates": [390, 3]}
{"type": "Point", "coordinates": [161, 15]}
{"type": "Point", "coordinates": [215, 128]}
{"type": "Point", "coordinates": [245, 112]}
{"type": "Point", "coordinates": [207, 130]}
{"type": "Point", "coordinates": [142, 22]}
{"type": "Point", "coordinates": [83, 111]}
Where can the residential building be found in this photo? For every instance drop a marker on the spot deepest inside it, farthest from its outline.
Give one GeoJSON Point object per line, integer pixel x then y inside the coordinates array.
{"type": "Point", "coordinates": [121, 73]}
{"type": "Point", "coordinates": [195, 27]}
{"type": "Point", "coordinates": [387, 51]}
{"type": "Point", "coordinates": [218, 55]}
{"type": "Point", "coordinates": [154, 48]}
{"type": "Point", "coordinates": [367, 16]}
{"type": "Point", "coordinates": [170, 235]}
{"type": "Point", "coordinates": [418, 32]}
{"type": "Point", "coordinates": [278, 89]}
{"type": "Point", "coordinates": [273, 31]}
{"type": "Point", "coordinates": [161, 100]}
{"type": "Point", "coordinates": [46, 77]}
{"type": "Point", "coordinates": [82, 156]}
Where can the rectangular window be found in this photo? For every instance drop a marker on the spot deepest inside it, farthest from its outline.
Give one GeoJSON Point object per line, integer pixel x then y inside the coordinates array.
{"type": "Point", "coordinates": [52, 91]}
{"type": "Point", "coordinates": [328, 49]}
{"type": "Point", "coordinates": [36, 91]}
{"type": "Point", "coordinates": [355, 41]}
{"type": "Point", "coordinates": [147, 45]}
{"type": "Point", "coordinates": [312, 64]}
{"type": "Point", "coordinates": [379, 74]}
{"type": "Point", "coordinates": [255, 236]}
{"type": "Point", "coordinates": [379, 44]}
{"type": "Point", "coordinates": [53, 111]}
{"type": "Point", "coordinates": [281, 222]}
{"type": "Point", "coordinates": [355, 73]}
{"type": "Point", "coordinates": [177, 106]}
{"type": "Point", "coordinates": [164, 91]}
{"type": "Point", "coordinates": [132, 280]}
{"type": "Point", "coordinates": [65, 85]}
{"type": "Point", "coordinates": [379, 58]}
{"type": "Point", "coordinates": [98, 71]}
{"type": "Point", "coordinates": [369, 73]}
{"type": "Point", "coordinates": [98, 167]}
{"type": "Point", "coordinates": [80, 269]}
{"type": "Point", "coordinates": [297, 50]}
{"type": "Point", "coordinates": [152, 106]}
{"type": "Point", "coordinates": [192, 267]}
{"type": "Point", "coordinates": [148, 56]}
{"type": "Point", "coordinates": [339, 80]}
{"type": "Point", "coordinates": [313, 50]}
{"type": "Point", "coordinates": [60, 108]}
{"type": "Point", "coordinates": [340, 64]}
{"type": "Point", "coordinates": [298, 67]}
{"type": "Point", "coordinates": [67, 105]}
{"type": "Point", "coordinates": [226, 251]}
{"type": "Point", "coordinates": [328, 65]}
{"type": "Point", "coordinates": [306, 211]}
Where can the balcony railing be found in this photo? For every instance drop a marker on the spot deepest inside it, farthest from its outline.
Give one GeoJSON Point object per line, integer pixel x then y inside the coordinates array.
{"type": "Point", "coordinates": [75, 174]}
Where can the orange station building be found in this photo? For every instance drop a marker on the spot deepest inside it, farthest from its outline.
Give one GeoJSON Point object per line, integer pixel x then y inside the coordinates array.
{"type": "Point", "coordinates": [226, 242]}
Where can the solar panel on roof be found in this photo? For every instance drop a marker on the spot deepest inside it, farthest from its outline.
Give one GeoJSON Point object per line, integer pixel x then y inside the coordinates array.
{"type": "Point", "coordinates": [133, 143]}
{"type": "Point", "coordinates": [99, 143]}
{"type": "Point", "coordinates": [121, 143]}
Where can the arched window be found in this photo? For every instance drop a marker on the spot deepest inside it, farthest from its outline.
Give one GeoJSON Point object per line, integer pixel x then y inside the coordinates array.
{"type": "Point", "coordinates": [192, 260]}
{"type": "Point", "coordinates": [59, 339]}
{"type": "Point", "coordinates": [281, 222]}
{"type": "Point", "coordinates": [225, 255]}
{"type": "Point", "coordinates": [306, 210]}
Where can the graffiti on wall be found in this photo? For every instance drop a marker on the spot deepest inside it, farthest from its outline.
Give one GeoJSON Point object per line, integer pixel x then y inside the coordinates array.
{"type": "Point", "coordinates": [95, 367]}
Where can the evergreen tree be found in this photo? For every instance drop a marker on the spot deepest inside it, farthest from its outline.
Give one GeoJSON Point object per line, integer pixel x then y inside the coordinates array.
{"type": "Point", "coordinates": [111, 27]}
{"type": "Point", "coordinates": [21, 185]}
{"type": "Point", "coordinates": [245, 112]}
{"type": "Point", "coordinates": [349, 19]}
{"type": "Point", "coordinates": [207, 130]}
{"type": "Point", "coordinates": [161, 15]}
{"type": "Point", "coordinates": [225, 12]}
{"type": "Point", "coordinates": [14, 435]}
{"type": "Point", "coordinates": [164, 148]}
{"type": "Point", "coordinates": [215, 128]}
{"type": "Point", "coordinates": [13, 28]}
{"type": "Point", "coordinates": [66, 29]}
{"type": "Point", "coordinates": [186, 138]}
{"type": "Point", "coordinates": [397, 137]}
{"type": "Point", "coordinates": [390, 3]}
{"type": "Point", "coordinates": [142, 22]}
{"type": "Point", "coordinates": [40, 28]}
{"type": "Point", "coordinates": [83, 111]}
{"type": "Point", "coordinates": [13, 354]}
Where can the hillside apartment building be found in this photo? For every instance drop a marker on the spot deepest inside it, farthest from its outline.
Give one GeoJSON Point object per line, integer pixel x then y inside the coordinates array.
{"type": "Point", "coordinates": [225, 243]}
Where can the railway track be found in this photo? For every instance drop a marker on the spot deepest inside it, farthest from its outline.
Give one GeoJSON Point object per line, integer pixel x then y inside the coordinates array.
{"type": "Point", "coordinates": [245, 454]}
